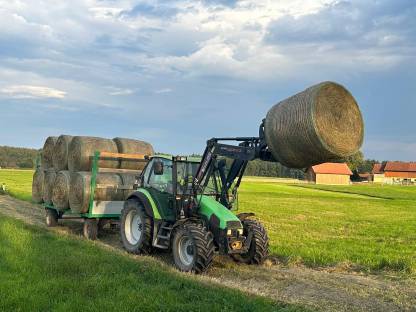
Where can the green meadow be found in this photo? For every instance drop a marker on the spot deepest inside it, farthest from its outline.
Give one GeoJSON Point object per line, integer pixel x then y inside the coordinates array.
{"type": "Point", "coordinates": [362, 227]}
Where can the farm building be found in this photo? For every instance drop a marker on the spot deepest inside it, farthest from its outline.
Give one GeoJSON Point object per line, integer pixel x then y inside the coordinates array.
{"type": "Point", "coordinates": [329, 173]}
{"type": "Point", "coordinates": [399, 172]}
{"type": "Point", "coordinates": [377, 173]}
{"type": "Point", "coordinates": [394, 172]}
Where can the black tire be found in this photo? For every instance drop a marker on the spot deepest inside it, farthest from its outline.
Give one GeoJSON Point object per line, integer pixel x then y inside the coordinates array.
{"type": "Point", "coordinates": [259, 247]}
{"type": "Point", "coordinates": [200, 251]}
{"type": "Point", "coordinates": [91, 229]}
{"type": "Point", "coordinates": [136, 241]}
{"type": "Point", "coordinates": [51, 217]}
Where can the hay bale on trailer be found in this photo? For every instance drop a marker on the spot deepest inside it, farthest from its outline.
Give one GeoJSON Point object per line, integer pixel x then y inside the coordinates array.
{"type": "Point", "coordinates": [60, 153]}
{"type": "Point", "coordinates": [82, 148]}
{"type": "Point", "coordinates": [128, 180]}
{"type": "Point", "coordinates": [48, 185]}
{"type": "Point", "coordinates": [130, 146]}
{"type": "Point", "coordinates": [37, 185]}
{"type": "Point", "coordinates": [48, 151]}
{"type": "Point", "coordinates": [319, 124]}
{"type": "Point", "coordinates": [60, 192]}
{"type": "Point", "coordinates": [79, 189]}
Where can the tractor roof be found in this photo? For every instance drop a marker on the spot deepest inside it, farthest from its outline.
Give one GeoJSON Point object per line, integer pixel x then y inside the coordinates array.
{"type": "Point", "coordinates": [186, 158]}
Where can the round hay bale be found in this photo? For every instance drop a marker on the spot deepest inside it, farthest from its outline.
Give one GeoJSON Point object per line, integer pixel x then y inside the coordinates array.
{"type": "Point", "coordinates": [79, 189]}
{"type": "Point", "coordinates": [60, 192]}
{"type": "Point", "coordinates": [60, 153]}
{"type": "Point", "coordinates": [128, 179]}
{"type": "Point", "coordinates": [130, 146]}
{"type": "Point", "coordinates": [47, 152]}
{"type": "Point", "coordinates": [48, 185]}
{"type": "Point", "coordinates": [37, 185]}
{"type": "Point", "coordinates": [320, 124]}
{"type": "Point", "coordinates": [81, 150]}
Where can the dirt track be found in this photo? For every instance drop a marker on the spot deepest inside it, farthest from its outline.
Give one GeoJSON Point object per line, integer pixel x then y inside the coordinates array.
{"type": "Point", "coordinates": [318, 289]}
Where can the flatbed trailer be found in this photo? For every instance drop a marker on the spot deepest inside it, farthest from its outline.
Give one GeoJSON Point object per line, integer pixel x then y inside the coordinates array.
{"type": "Point", "coordinates": [99, 212]}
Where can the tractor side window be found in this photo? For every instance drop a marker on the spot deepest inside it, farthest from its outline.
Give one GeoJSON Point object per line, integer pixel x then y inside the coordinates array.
{"type": "Point", "coordinates": [162, 182]}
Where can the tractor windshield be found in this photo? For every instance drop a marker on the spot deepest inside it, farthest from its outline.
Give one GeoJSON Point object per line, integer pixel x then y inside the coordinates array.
{"type": "Point", "coordinates": [185, 174]}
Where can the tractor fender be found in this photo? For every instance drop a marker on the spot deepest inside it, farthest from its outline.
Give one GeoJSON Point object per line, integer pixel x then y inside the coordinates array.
{"type": "Point", "coordinates": [144, 197]}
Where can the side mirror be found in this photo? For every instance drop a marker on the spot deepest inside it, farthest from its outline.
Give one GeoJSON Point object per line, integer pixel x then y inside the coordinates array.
{"type": "Point", "coordinates": [158, 168]}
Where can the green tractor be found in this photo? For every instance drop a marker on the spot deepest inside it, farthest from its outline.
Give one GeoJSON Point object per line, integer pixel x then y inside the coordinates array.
{"type": "Point", "coordinates": [184, 205]}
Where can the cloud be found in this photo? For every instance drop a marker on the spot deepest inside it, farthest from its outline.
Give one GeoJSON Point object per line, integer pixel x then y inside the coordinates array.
{"type": "Point", "coordinates": [164, 90]}
{"type": "Point", "coordinates": [31, 92]}
{"type": "Point", "coordinates": [118, 91]}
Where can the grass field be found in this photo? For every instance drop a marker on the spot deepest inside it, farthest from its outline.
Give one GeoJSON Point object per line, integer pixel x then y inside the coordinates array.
{"type": "Point", "coordinates": [18, 182]}
{"type": "Point", "coordinates": [81, 276]}
{"type": "Point", "coordinates": [364, 227]}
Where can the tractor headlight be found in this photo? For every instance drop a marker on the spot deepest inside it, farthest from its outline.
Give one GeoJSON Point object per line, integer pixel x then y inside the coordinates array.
{"type": "Point", "coordinates": [229, 232]}
{"type": "Point", "coordinates": [240, 231]}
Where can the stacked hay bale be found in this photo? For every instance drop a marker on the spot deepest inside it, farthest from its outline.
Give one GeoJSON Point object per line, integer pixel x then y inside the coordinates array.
{"type": "Point", "coordinates": [63, 178]}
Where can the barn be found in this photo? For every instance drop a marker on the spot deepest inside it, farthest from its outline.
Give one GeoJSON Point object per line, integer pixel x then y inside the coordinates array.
{"type": "Point", "coordinates": [329, 173]}
{"type": "Point", "coordinates": [377, 173]}
{"type": "Point", "coordinates": [397, 172]}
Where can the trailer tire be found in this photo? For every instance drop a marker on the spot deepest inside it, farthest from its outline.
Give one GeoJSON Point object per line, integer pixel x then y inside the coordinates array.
{"type": "Point", "coordinates": [136, 228]}
{"type": "Point", "coordinates": [90, 229]}
{"type": "Point", "coordinates": [192, 248]}
{"type": "Point", "coordinates": [259, 247]}
{"type": "Point", "coordinates": [51, 217]}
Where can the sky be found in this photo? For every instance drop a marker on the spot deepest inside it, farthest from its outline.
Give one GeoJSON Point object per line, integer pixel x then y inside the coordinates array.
{"type": "Point", "coordinates": [176, 73]}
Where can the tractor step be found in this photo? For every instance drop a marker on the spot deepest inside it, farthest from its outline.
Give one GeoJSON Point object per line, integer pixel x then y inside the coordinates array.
{"type": "Point", "coordinates": [162, 239]}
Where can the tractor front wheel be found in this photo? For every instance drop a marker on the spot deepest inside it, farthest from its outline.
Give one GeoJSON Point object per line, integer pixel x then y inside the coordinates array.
{"type": "Point", "coordinates": [192, 248]}
{"type": "Point", "coordinates": [259, 247]}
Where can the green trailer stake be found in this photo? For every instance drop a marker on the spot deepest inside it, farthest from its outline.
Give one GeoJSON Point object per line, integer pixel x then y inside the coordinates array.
{"type": "Point", "coordinates": [99, 212]}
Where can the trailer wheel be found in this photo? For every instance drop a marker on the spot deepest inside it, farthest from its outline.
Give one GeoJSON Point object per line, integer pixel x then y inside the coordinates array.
{"type": "Point", "coordinates": [91, 229]}
{"type": "Point", "coordinates": [259, 247]}
{"type": "Point", "coordinates": [51, 217]}
{"type": "Point", "coordinates": [192, 248]}
{"type": "Point", "coordinates": [136, 228]}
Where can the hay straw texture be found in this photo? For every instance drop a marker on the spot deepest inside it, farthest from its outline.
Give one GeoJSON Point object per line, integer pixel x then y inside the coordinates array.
{"type": "Point", "coordinates": [130, 146]}
{"type": "Point", "coordinates": [60, 153]}
{"type": "Point", "coordinates": [320, 124]}
{"type": "Point", "coordinates": [60, 192]}
{"type": "Point", "coordinates": [81, 150]}
{"type": "Point", "coordinates": [48, 185]}
{"type": "Point", "coordinates": [79, 189]}
{"type": "Point", "coordinates": [37, 185]}
{"type": "Point", "coordinates": [128, 179]}
{"type": "Point", "coordinates": [47, 152]}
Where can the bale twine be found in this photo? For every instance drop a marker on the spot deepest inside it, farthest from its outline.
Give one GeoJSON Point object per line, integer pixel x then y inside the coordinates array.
{"type": "Point", "coordinates": [48, 185]}
{"type": "Point", "coordinates": [79, 189]}
{"type": "Point", "coordinates": [37, 185]}
{"type": "Point", "coordinates": [81, 150]}
{"type": "Point", "coordinates": [60, 191]}
{"type": "Point", "coordinates": [60, 153]}
{"type": "Point", "coordinates": [128, 179]}
{"type": "Point", "coordinates": [47, 152]}
{"type": "Point", "coordinates": [130, 146]}
{"type": "Point", "coordinates": [320, 124]}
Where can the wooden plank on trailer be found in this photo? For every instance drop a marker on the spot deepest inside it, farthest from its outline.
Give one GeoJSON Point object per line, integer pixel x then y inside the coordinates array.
{"type": "Point", "coordinates": [107, 207]}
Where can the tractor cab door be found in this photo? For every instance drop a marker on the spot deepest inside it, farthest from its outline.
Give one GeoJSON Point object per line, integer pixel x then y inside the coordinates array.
{"type": "Point", "coordinates": [159, 184]}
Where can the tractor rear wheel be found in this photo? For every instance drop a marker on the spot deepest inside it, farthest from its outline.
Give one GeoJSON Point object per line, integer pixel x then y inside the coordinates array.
{"type": "Point", "coordinates": [136, 228]}
{"type": "Point", "coordinates": [51, 217]}
{"type": "Point", "coordinates": [192, 248]}
{"type": "Point", "coordinates": [259, 247]}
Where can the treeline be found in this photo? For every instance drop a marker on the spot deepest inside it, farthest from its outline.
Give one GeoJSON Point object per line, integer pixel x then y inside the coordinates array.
{"type": "Point", "coordinates": [17, 157]}
{"type": "Point", "coordinates": [272, 169]}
